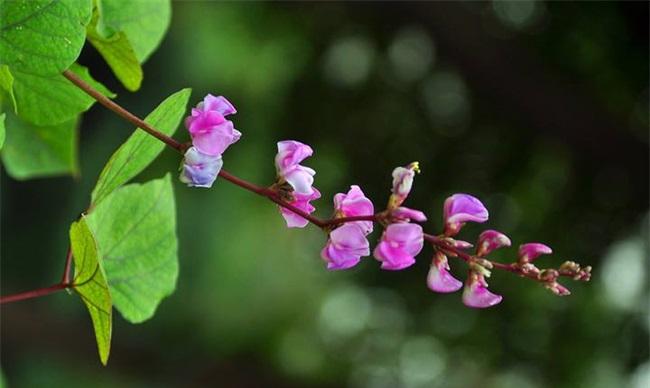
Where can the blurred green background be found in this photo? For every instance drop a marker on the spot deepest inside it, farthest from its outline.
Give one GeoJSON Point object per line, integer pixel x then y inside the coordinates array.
{"type": "Point", "coordinates": [538, 108]}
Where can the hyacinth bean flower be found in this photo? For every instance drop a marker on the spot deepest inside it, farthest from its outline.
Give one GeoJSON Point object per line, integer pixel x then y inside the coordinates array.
{"type": "Point", "coordinates": [402, 184]}
{"type": "Point", "coordinates": [399, 245]}
{"type": "Point", "coordinates": [345, 247]}
{"type": "Point", "coordinates": [301, 201]}
{"type": "Point", "coordinates": [476, 294]}
{"type": "Point", "coordinates": [461, 208]}
{"type": "Point", "coordinates": [531, 251]}
{"type": "Point", "coordinates": [287, 163]}
{"type": "Point", "coordinates": [406, 214]}
{"type": "Point", "coordinates": [490, 240]}
{"type": "Point", "coordinates": [352, 204]}
{"type": "Point", "coordinates": [439, 279]}
{"type": "Point", "coordinates": [211, 132]}
{"type": "Point", "coordinates": [198, 169]}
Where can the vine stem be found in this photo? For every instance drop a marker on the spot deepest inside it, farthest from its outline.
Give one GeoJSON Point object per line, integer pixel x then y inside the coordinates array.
{"type": "Point", "coordinates": [33, 293]}
{"type": "Point", "coordinates": [125, 114]}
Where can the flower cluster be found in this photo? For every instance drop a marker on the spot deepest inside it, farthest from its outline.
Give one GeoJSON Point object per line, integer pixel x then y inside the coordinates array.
{"type": "Point", "coordinates": [354, 216]}
{"type": "Point", "coordinates": [348, 243]}
{"type": "Point", "coordinates": [298, 178]}
{"type": "Point", "coordinates": [211, 135]}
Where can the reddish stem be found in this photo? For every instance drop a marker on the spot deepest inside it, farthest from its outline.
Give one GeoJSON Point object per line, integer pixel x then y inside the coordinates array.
{"type": "Point", "coordinates": [128, 116]}
{"type": "Point", "coordinates": [33, 293]}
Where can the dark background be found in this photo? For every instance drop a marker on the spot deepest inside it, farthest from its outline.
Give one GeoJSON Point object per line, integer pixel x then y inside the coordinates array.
{"type": "Point", "coordinates": [538, 108]}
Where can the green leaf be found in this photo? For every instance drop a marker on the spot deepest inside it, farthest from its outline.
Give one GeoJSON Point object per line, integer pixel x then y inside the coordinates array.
{"type": "Point", "coordinates": [36, 151]}
{"type": "Point", "coordinates": [135, 228]}
{"type": "Point", "coordinates": [2, 130]}
{"type": "Point", "coordinates": [119, 54]}
{"type": "Point", "coordinates": [90, 283]}
{"type": "Point", "coordinates": [7, 85]}
{"type": "Point", "coordinates": [141, 148]}
{"type": "Point", "coordinates": [143, 22]}
{"type": "Point", "coordinates": [42, 36]}
{"type": "Point", "coordinates": [51, 100]}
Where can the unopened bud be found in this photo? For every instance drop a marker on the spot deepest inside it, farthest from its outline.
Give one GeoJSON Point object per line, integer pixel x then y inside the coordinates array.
{"type": "Point", "coordinates": [557, 288]}
{"type": "Point", "coordinates": [548, 275]}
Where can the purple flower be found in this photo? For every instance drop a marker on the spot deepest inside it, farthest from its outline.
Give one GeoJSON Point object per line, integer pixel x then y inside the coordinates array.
{"type": "Point", "coordinates": [198, 169]}
{"type": "Point", "coordinates": [531, 251]}
{"type": "Point", "coordinates": [490, 240]}
{"type": "Point", "coordinates": [461, 208]}
{"type": "Point", "coordinates": [287, 163]}
{"type": "Point", "coordinates": [406, 214]}
{"type": "Point", "coordinates": [345, 247]}
{"type": "Point", "coordinates": [210, 131]}
{"type": "Point", "coordinates": [439, 279]}
{"type": "Point", "coordinates": [301, 201]}
{"type": "Point", "coordinates": [476, 294]}
{"type": "Point", "coordinates": [355, 203]}
{"type": "Point", "coordinates": [402, 183]}
{"type": "Point", "coordinates": [399, 245]}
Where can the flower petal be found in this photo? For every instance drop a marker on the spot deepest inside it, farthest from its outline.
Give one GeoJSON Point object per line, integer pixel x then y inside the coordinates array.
{"type": "Point", "coordinates": [346, 245]}
{"type": "Point", "coordinates": [291, 153]}
{"type": "Point", "coordinates": [407, 214]}
{"type": "Point", "coordinates": [461, 208]}
{"type": "Point", "coordinates": [355, 203]}
{"type": "Point", "coordinates": [439, 279]}
{"type": "Point", "coordinates": [198, 169]}
{"type": "Point", "coordinates": [476, 294]}
{"type": "Point", "coordinates": [531, 251]}
{"type": "Point", "coordinates": [301, 201]}
{"type": "Point", "coordinates": [219, 104]}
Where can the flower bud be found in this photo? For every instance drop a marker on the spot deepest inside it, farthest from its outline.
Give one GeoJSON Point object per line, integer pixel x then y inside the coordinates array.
{"type": "Point", "coordinates": [407, 215]}
{"type": "Point", "coordinates": [490, 240]}
{"type": "Point", "coordinates": [557, 288]}
{"type": "Point", "coordinates": [531, 251]}
{"type": "Point", "coordinates": [402, 183]}
{"type": "Point", "coordinates": [460, 244]}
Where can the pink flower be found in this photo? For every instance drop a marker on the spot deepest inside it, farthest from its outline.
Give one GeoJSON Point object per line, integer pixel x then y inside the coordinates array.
{"type": "Point", "coordinates": [461, 208]}
{"type": "Point", "coordinates": [490, 240]}
{"type": "Point", "coordinates": [476, 294]}
{"type": "Point", "coordinates": [399, 245]}
{"type": "Point", "coordinates": [406, 214]}
{"type": "Point", "coordinates": [345, 247]}
{"type": "Point", "coordinates": [531, 251]}
{"type": "Point", "coordinates": [287, 163]}
{"type": "Point", "coordinates": [210, 131]}
{"type": "Point", "coordinates": [402, 183]}
{"type": "Point", "coordinates": [439, 279]}
{"type": "Point", "coordinates": [355, 203]}
{"type": "Point", "coordinates": [198, 169]}
{"type": "Point", "coordinates": [301, 201]}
